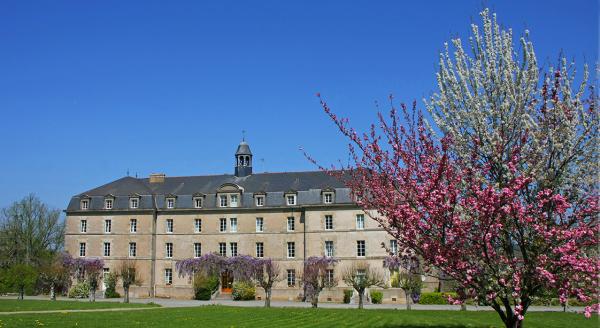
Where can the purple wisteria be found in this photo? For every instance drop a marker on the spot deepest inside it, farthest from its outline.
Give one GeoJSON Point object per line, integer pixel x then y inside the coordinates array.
{"type": "Point", "coordinates": [318, 274]}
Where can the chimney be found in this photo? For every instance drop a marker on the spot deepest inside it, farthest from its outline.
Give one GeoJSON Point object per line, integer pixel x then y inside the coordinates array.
{"type": "Point", "coordinates": [157, 178]}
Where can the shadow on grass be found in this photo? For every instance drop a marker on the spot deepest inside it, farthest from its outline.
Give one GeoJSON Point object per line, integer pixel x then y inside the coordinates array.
{"type": "Point", "coordinates": [412, 325]}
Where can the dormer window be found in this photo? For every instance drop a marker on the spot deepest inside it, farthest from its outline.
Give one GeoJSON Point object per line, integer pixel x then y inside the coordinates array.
{"type": "Point", "coordinates": [290, 199]}
{"type": "Point", "coordinates": [85, 204]}
{"type": "Point", "coordinates": [170, 202]}
{"type": "Point", "coordinates": [229, 195]}
{"type": "Point", "coordinates": [134, 203]}
{"type": "Point", "coordinates": [328, 197]}
{"type": "Point", "coordinates": [108, 203]}
{"type": "Point", "coordinates": [260, 200]}
{"type": "Point", "coordinates": [234, 200]}
{"type": "Point", "coordinates": [223, 200]}
{"type": "Point", "coordinates": [198, 202]}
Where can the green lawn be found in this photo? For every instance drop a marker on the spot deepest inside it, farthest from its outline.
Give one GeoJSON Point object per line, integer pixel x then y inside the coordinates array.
{"type": "Point", "coordinates": [8, 305]}
{"type": "Point", "coordinates": [221, 316]}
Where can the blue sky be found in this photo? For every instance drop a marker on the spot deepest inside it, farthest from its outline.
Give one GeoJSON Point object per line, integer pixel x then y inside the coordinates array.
{"type": "Point", "coordinates": [91, 89]}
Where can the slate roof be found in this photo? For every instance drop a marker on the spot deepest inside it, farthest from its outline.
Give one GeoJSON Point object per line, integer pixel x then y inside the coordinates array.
{"type": "Point", "coordinates": [243, 149]}
{"type": "Point", "coordinates": [308, 186]}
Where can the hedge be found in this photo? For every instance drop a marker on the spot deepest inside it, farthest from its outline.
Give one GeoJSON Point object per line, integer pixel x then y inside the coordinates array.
{"type": "Point", "coordinates": [436, 298]}
{"type": "Point", "coordinates": [376, 297]}
{"type": "Point", "coordinates": [243, 291]}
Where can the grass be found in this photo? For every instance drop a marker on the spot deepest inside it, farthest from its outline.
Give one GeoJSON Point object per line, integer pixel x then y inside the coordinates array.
{"type": "Point", "coordinates": [222, 316]}
{"type": "Point", "coordinates": [8, 305]}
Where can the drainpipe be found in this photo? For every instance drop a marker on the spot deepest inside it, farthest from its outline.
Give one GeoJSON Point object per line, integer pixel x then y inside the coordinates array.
{"type": "Point", "coordinates": [153, 250]}
{"type": "Point", "coordinates": [303, 220]}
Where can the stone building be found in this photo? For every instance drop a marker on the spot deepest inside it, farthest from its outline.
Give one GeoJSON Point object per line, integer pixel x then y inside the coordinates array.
{"type": "Point", "coordinates": [286, 216]}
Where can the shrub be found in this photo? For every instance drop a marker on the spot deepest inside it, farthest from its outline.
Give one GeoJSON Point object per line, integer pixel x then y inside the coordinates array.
{"type": "Point", "coordinates": [111, 284]}
{"type": "Point", "coordinates": [243, 291]}
{"type": "Point", "coordinates": [205, 286]}
{"type": "Point", "coordinates": [347, 295]}
{"type": "Point", "coordinates": [80, 290]}
{"type": "Point", "coordinates": [376, 297]}
{"type": "Point", "coordinates": [436, 298]}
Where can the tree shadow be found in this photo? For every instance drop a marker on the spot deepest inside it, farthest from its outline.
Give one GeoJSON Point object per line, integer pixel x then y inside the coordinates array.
{"type": "Point", "coordinates": [450, 325]}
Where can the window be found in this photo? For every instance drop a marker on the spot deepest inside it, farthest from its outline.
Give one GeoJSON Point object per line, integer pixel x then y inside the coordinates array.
{"type": "Point", "coordinates": [330, 277]}
{"type": "Point", "coordinates": [361, 274]}
{"type": "Point", "coordinates": [360, 248]}
{"type": "Point", "coordinates": [233, 249]}
{"type": "Point", "coordinates": [106, 249]}
{"type": "Point", "coordinates": [168, 276]}
{"type": "Point", "coordinates": [260, 250]}
{"type": "Point", "coordinates": [198, 202]}
{"type": "Point", "coordinates": [291, 277]}
{"type": "Point", "coordinates": [169, 250]}
{"type": "Point", "coordinates": [105, 272]}
{"type": "Point", "coordinates": [290, 223]}
{"type": "Point", "coordinates": [360, 221]}
{"type": "Point", "coordinates": [107, 226]}
{"type": "Point", "coordinates": [222, 225]}
{"type": "Point", "coordinates": [132, 249]}
{"type": "Point", "coordinates": [223, 200]}
{"type": "Point", "coordinates": [234, 200]}
{"type": "Point", "coordinates": [85, 204]}
{"type": "Point", "coordinates": [170, 202]}
{"type": "Point", "coordinates": [134, 202]}
{"type": "Point", "coordinates": [328, 197]}
{"type": "Point", "coordinates": [233, 225]}
{"type": "Point", "coordinates": [291, 249]}
{"type": "Point", "coordinates": [82, 249]}
{"type": "Point", "coordinates": [329, 248]}
{"type": "Point", "coordinates": [108, 204]}
{"type": "Point", "coordinates": [394, 246]}
{"type": "Point", "coordinates": [169, 225]}
{"type": "Point", "coordinates": [260, 200]}
{"type": "Point", "coordinates": [290, 200]}
{"type": "Point", "coordinates": [198, 225]}
{"type": "Point", "coordinates": [222, 249]}
{"type": "Point", "coordinates": [259, 225]}
{"type": "Point", "coordinates": [83, 226]}
{"type": "Point", "coordinates": [197, 249]}
{"type": "Point", "coordinates": [133, 225]}
{"type": "Point", "coordinates": [328, 222]}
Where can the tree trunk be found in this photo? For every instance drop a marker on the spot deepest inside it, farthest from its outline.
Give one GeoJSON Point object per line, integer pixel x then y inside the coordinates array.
{"type": "Point", "coordinates": [126, 292]}
{"type": "Point", "coordinates": [408, 306]}
{"type": "Point", "coordinates": [92, 295]}
{"type": "Point", "coordinates": [315, 301]}
{"type": "Point", "coordinates": [463, 307]}
{"type": "Point", "coordinates": [360, 299]}
{"type": "Point", "coordinates": [268, 298]}
{"type": "Point", "coordinates": [22, 293]}
{"type": "Point", "coordinates": [52, 292]}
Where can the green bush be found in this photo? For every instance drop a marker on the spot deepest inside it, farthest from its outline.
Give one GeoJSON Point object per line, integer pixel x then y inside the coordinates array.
{"type": "Point", "coordinates": [111, 284]}
{"type": "Point", "coordinates": [436, 298]}
{"type": "Point", "coordinates": [243, 291]}
{"type": "Point", "coordinates": [80, 290]}
{"type": "Point", "coordinates": [205, 286]}
{"type": "Point", "coordinates": [376, 297]}
{"type": "Point", "coordinates": [347, 295]}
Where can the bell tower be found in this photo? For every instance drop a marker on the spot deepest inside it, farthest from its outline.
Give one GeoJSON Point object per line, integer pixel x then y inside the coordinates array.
{"type": "Point", "coordinates": [243, 160]}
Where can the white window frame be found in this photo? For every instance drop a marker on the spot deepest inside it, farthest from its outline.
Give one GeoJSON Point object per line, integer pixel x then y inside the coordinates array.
{"type": "Point", "coordinates": [233, 248]}
{"type": "Point", "coordinates": [291, 199]}
{"type": "Point", "coordinates": [360, 222]}
{"type": "Point", "coordinates": [223, 200]}
{"type": "Point", "coordinates": [291, 278]}
{"type": "Point", "coordinates": [291, 224]}
{"type": "Point", "coordinates": [169, 250]}
{"type": "Point", "coordinates": [233, 227]}
{"type": "Point", "coordinates": [222, 225]}
{"type": "Point", "coordinates": [106, 249]}
{"type": "Point", "coordinates": [260, 249]}
{"type": "Point", "coordinates": [134, 203]}
{"type": "Point", "coordinates": [133, 225]}
{"type": "Point", "coordinates": [291, 250]}
{"type": "Point", "coordinates": [170, 202]}
{"type": "Point", "coordinates": [358, 248]}
{"type": "Point", "coordinates": [108, 226]}
{"type": "Point", "coordinates": [169, 226]}
{"type": "Point", "coordinates": [82, 249]}
{"type": "Point", "coordinates": [260, 224]}
{"type": "Point", "coordinates": [328, 222]}
{"type": "Point", "coordinates": [198, 202]}
{"type": "Point", "coordinates": [197, 225]}
{"type": "Point", "coordinates": [83, 226]}
{"type": "Point", "coordinates": [260, 201]}
{"type": "Point", "coordinates": [328, 197]}
{"type": "Point", "coordinates": [223, 249]}
{"type": "Point", "coordinates": [168, 276]}
{"type": "Point", "coordinates": [197, 250]}
{"type": "Point", "coordinates": [330, 276]}
{"type": "Point", "coordinates": [108, 203]}
{"type": "Point", "coordinates": [132, 249]}
{"type": "Point", "coordinates": [394, 246]}
{"type": "Point", "coordinates": [234, 200]}
{"type": "Point", "coordinates": [86, 206]}
{"type": "Point", "coordinates": [329, 248]}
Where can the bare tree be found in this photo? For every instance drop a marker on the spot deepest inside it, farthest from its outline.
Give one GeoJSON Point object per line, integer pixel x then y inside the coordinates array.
{"type": "Point", "coordinates": [361, 276]}
{"type": "Point", "coordinates": [128, 273]}
{"type": "Point", "coordinates": [267, 273]}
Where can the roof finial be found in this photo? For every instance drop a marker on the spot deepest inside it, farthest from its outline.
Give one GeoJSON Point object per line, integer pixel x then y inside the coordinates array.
{"type": "Point", "coordinates": [243, 135]}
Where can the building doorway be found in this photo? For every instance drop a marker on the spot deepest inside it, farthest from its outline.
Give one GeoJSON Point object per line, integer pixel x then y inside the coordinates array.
{"type": "Point", "coordinates": [226, 281]}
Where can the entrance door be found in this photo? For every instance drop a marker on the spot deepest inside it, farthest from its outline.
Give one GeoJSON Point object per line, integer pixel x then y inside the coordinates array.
{"type": "Point", "coordinates": [226, 282]}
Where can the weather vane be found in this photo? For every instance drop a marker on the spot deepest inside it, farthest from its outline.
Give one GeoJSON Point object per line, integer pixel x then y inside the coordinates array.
{"type": "Point", "coordinates": [243, 135]}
